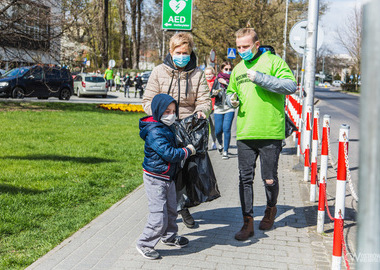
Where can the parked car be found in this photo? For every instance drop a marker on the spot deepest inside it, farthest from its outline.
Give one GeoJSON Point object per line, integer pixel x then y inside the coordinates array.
{"type": "Point", "coordinates": [145, 76]}
{"type": "Point", "coordinates": [2, 71]}
{"type": "Point", "coordinates": [337, 83]}
{"type": "Point", "coordinates": [37, 81]}
{"type": "Point", "coordinates": [90, 85]}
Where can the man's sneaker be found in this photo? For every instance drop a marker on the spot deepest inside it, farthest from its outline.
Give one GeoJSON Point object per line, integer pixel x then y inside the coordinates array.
{"type": "Point", "coordinates": [148, 253]}
{"type": "Point", "coordinates": [225, 155]}
{"type": "Point", "coordinates": [220, 149]}
{"type": "Point", "coordinates": [178, 241]}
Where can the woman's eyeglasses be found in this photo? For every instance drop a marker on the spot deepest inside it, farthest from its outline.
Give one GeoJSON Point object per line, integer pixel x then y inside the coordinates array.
{"type": "Point", "coordinates": [227, 69]}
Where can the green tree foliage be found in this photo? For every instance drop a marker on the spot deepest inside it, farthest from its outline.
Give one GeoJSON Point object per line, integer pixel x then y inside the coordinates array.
{"type": "Point", "coordinates": [216, 21]}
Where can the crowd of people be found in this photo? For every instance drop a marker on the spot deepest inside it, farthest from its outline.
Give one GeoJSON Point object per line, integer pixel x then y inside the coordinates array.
{"type": "Point", "coordinates": [253, 92]}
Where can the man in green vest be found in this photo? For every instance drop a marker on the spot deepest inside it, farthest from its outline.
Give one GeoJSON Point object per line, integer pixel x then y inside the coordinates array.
{"type": "Point", "coordinates": [108, 75]}
{"type": "Point", "coordinates": [258, 85]}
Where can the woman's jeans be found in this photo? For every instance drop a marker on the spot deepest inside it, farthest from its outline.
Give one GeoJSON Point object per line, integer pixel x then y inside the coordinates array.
{"type": "Point", "coordinates": [248, 152]}
{"type": "Point", "coordinates": [223, 123]}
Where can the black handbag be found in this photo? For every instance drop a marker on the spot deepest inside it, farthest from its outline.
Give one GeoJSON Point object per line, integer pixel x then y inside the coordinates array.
{"type": "Point", "coordinates": [290, 127]}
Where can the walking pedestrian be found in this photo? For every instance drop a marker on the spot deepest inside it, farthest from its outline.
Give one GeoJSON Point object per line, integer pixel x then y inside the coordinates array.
{"type": "Point", "coordinates": [224, 115]}
{"type": "Point", "coordinates": [180, 77]}
{"type": "Point", "coordinates": [108, 75]}
{"type": "Point", "coordinates": [127, 81]}
{"type": "Point", "coordinates": [160, 162]}
{"type": "Point", "coordinates": [214, 86]}
{"type": "Point", "coordinates": [138, 85]}
{"type": "Point", "coordinates": [258, 85]}
{"type": "Point", "coordinates": [117, 81]}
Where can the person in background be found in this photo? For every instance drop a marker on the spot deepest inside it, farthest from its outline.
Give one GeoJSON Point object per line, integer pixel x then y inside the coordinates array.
{"type": "Point", "coordinates": [257, 86]}
{"type": "Point", "coordinates": [108, 75]}
{"type": "Point", "coordinates": [138, 85]}
{"type": "Point", "coordinates": [180, 78]}
{"type": "Point", "coordinates": [224, 115]}
{"type": "Point", "coordinates": [214, 86]}
{"type": "Point", "coordinates": [117, 81]}
{"type": "Point", "coordinates": [160, 164]}
{"type": "Point", "coordinates": [127, 81]}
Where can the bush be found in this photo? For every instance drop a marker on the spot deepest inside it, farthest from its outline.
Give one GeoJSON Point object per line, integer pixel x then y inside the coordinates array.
{"type": "Point", "coordinates": [350, 87]}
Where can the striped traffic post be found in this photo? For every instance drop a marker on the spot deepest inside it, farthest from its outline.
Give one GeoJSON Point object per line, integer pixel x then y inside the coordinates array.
{"type": "Point", "coordinates": [314, 153]}
{"type": "Point", "coordinates": [299, 123]}
{"type": "Point", "coordinates": [340, 197]}
{"type": "Point", "coordinates": [306, 142]}
{"type": "Point", "coordinates": [323, 172]}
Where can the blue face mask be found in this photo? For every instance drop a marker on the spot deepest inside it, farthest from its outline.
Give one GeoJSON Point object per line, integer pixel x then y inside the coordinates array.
{"type": "Point", "coordinates": [246, 55]}
{"type": "Point", "coordinates": [228, 72]}
{"type": "Point", "coordinates": [181, 60]}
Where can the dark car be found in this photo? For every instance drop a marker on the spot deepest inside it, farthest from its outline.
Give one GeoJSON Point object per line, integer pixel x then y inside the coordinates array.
{"type": "Point", "coordinates": [37, 81]}
{"type": "Point", "coordinates": [145, 76]}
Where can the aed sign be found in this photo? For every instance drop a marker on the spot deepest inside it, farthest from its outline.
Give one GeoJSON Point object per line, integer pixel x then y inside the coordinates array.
{"type": "Point", "coordinates": [177, 14]}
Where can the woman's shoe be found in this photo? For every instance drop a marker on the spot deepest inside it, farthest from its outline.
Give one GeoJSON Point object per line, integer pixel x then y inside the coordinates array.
{"type": "Point", "coordinates": [225, 155]}
{"type": "Point", "coordinates": [220, 149]}
{"type": "Point", "coordinates": [187, 219]}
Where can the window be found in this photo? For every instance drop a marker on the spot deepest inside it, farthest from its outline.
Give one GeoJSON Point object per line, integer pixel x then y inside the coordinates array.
{"type": "Point", "coordinates": [95, 79]}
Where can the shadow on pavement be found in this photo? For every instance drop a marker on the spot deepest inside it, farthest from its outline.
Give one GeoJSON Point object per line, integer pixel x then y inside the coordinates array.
{"type": "Point", "coordinates": [85, 160]}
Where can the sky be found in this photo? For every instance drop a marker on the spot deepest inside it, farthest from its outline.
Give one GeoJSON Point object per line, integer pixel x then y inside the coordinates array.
{"type": "Point", "coordinates": [335, 18]}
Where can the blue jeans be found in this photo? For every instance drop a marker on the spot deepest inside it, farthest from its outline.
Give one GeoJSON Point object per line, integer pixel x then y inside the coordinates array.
{"type": "Point", "coordinates": [223, 123]}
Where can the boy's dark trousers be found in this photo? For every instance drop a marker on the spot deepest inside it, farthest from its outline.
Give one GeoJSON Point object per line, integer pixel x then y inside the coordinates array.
{"type": "Point", "coordinates": [162, 204]}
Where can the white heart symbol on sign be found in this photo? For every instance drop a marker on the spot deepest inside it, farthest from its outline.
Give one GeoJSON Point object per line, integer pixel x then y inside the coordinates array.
{"type": "Point", "coordinates": [177, 7]}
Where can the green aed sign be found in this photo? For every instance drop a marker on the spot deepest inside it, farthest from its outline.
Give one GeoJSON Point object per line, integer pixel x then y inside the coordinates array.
{"type": "Point", "coordinates": [177, 14]}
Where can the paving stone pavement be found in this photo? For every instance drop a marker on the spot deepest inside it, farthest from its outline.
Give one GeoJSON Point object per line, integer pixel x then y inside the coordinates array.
{"type": "Point", "coordinates": [108, 242]}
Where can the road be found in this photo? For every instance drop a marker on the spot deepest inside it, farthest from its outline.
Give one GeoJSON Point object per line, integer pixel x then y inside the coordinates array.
{"type": "Point", "coordinates": [343, 109]}
{"type": "Point", "coordinates": [112, 97]}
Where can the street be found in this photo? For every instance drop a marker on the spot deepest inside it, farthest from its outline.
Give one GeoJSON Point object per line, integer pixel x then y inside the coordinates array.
{"type": "Point", "coordinates": [112, 97]}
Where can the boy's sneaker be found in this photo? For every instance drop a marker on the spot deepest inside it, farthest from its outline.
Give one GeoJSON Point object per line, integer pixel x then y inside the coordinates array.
{"type": "Point", "coordinates": [220, 149]}
{"type": "Point", "coordinates": [178, 241]}
{"type": "Point", "coordinates": [225, 155]}
{"type": "Point", "coordinates": [148, 253]}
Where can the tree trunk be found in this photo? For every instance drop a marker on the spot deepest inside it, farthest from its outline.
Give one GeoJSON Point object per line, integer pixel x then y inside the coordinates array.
{"type": "Point", "coordinates": [122, 33]}
{"type": "Point", "coordinates": [139, 8]}
{"type": "Point", "coordinates": [104, 47]}
{"type": "Point", "coordinates": [134, 35]}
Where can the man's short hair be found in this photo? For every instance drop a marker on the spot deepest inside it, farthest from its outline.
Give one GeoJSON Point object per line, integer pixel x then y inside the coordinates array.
{"type": "Point", "coordinates": [180, 39]}
{"type": "Point", "coordinates": [242, 32]}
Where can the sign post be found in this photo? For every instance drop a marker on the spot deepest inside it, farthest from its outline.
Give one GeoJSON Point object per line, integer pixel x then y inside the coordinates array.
{"type": "Point", "coordinates": [177, 14]}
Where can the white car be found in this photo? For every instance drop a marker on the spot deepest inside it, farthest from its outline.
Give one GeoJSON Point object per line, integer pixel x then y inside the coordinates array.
{"type": "Point", "coordinates": [90, 85]}
{"type": "Point", "coordinates": [337, 83]}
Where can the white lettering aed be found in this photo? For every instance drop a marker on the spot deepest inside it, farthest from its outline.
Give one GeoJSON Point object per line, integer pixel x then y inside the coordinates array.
{"type": "Point", "coordinates": [177, 19]}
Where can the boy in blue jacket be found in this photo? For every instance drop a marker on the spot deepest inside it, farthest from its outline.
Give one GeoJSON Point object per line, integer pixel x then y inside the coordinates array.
{"type": "Point", "coordinates": [161, 159]}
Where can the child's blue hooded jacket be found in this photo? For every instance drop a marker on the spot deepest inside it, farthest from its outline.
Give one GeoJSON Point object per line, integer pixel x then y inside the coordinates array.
{"type": "Point", "coordinates": [161, 152]}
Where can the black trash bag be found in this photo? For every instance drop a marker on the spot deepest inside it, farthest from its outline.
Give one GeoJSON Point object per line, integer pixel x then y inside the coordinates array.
{"type": "Point", "coordinates": [196, 181]}
{"type": "Point", "coordinates": [289, 126]}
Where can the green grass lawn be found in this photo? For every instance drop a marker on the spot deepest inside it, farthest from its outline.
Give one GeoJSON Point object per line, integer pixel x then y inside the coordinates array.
{"type": "Point", "coordinates": [61, 165]}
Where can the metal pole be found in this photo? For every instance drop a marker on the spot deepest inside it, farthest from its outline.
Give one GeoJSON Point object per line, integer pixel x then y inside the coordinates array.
{"type": "Point", "coordinates": [311, 49]}
{"type": "Point", "coordinates": [368, 236]}
{"type": "Point", "coordinates": [285, 29]}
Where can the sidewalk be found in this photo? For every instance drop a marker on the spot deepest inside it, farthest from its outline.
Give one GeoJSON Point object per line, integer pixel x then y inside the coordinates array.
{"type": "Point", "coordinates": [108, 242]}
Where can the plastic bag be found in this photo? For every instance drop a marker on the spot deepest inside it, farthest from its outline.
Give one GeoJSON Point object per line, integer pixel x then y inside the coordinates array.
{"type": "Point", "coordinates": [289, 126]}
{"type": "Point", "coordinates": [196, 181]}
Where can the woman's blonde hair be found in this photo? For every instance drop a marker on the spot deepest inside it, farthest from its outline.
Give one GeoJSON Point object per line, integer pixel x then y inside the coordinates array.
{"type": "Point", "coordinates": [242, 32]}
{"type": "Point", "coordinates": [180, 39]}
{"type": "Point", "coordinates": [210, 68]}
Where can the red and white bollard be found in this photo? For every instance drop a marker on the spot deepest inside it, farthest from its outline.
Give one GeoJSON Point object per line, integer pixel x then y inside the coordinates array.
{"type": "Point", "coordinates": [299, 123]}
{"type": "Point", "coordinates": [314, 153]}
{"type": "Point", "coordinates": [323, 173]}
{"type": "Point", "coordinates": [307, 146]}
{"type": "Point", "coordinates": [340, 197]}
